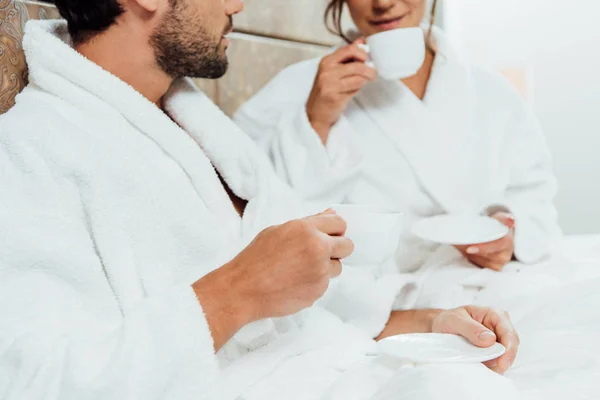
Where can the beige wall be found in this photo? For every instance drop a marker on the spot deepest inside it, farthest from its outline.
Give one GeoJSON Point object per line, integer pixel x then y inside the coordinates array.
{"type": "Point", "coordinates": [270, 35]}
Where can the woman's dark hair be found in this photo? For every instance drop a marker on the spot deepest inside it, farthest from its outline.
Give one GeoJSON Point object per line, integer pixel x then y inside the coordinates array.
{"type": "Point", "coordinates": [335, 9]}
{"type": "Point", "coordinates": [87, 18]}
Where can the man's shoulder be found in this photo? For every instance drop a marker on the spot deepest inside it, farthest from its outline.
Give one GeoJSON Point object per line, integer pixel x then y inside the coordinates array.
{"type": "Point", "coordinates": [32, 117]}
{"type": "Point", "coordinates": [33, 130]}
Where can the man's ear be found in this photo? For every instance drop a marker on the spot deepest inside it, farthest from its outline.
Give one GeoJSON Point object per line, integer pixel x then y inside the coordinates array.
{"type": "Point", "coordinates": [149, 5]}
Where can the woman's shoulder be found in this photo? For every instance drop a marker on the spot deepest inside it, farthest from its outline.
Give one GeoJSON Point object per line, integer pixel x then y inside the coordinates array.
{"type": "Point", "coordinates": [297, 74]}
{"type": "Point", "coordinates": [494, 84]}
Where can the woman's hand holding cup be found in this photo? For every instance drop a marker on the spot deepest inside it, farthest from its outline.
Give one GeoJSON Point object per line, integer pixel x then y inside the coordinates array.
{"type": "Point", "coordinates": [340, 76]}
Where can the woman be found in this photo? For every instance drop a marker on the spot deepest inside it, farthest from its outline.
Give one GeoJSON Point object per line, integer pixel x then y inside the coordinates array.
{"type": "Point", "coordinates": [451, 139]}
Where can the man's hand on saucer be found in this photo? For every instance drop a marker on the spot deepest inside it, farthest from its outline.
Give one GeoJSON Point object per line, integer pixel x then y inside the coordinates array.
{"type": "Point", "coordinates": [482, 326]}
{"type": "Point", "coordinates": [493, 255]}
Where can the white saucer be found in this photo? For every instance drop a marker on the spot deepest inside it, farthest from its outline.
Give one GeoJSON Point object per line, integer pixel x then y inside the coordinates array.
{"type": "Point", "coordinates": [436, 348]}
{"type": "Point", "coordinates": [460, 229]}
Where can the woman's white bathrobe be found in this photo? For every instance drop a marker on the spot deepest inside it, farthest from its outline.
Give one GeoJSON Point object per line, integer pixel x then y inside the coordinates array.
{"type": "Point", "coordinates": [109, 210]}
{"type": "Point", "coordinates": [470, 145]}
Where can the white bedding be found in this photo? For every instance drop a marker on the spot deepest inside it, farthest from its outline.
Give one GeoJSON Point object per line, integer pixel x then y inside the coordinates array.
{"type": "Point", "coordinates": [555, 306]}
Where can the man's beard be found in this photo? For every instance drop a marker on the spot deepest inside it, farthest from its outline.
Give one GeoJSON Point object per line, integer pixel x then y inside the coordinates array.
{"type": "Point", "coordinates": [184, 48]}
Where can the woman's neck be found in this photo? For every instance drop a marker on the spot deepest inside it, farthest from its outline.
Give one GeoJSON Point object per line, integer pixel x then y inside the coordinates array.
{"type": "Point", "coordinates": [418, 83]}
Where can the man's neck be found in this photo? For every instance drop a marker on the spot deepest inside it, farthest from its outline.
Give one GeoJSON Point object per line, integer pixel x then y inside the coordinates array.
{"type": "Point", "coordinates": [132, 61]}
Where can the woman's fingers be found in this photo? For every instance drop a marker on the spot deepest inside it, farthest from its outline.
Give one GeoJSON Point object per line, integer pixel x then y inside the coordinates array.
{"type": "Point", "coordinates": [497, 246]}
{"type": "Point", "coordinates": [352, 84]}
{"type": "Point", "coordinates": [357, 69]}
{"type": "Point", "coordinates": [495, 263]}
{"type": "Point", "coordinates": [494, 255]}
{"type": "Point", "coordinates": [349, 78]}
{"type": "Point", "coordinates": [506, 218]}
{"type": "Point", "coordinates": [349, 53]}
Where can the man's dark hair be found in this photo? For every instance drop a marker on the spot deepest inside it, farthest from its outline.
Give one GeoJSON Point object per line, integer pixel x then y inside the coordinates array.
{"type": "Point", "coordinates": [87, 18]}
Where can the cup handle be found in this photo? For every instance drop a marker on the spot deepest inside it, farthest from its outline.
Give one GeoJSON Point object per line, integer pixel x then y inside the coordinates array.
{"type": "Point", "coordinates": [366, 48]}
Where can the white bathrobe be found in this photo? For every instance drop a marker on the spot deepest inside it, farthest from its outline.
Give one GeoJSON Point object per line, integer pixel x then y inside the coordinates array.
{"type": "Point", "coordinates": [470, 145]}
{"type": "Point", "coordinates": [109, 210]}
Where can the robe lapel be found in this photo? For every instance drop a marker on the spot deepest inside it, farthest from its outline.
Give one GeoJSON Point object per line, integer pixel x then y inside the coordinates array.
{"type": "Point", "coordinates": [185, 151]}
{"type": "Point", "coordinates": [239, 161]}
{"type": "Point", "coordinates": [436, 135]}
{"type": "Point", "coordinates": [105, 91]}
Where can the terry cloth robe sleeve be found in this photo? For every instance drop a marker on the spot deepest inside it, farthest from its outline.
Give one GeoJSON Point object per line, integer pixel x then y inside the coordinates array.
{"type": "Point", "coordinates": [530, 182]}
{"type": "Point", "coordinates": [366, 299]}
{"type": "Point", "coordinates": [57, 340]}
{"type": "Point", "coordinates": [320, 174]}
{"type": "Point", "coordinates": [532, 185]}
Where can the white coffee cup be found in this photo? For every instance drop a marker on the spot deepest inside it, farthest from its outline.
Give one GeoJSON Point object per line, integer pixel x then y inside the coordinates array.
{"type": "Point", "coordinates": [396, 54]}
{"type": "Point", "coordinates": [375, 232]}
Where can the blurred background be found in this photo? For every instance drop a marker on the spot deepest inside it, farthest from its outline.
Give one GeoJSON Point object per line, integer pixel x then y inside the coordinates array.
{"type": "Point", "coordinates": [547, 50]}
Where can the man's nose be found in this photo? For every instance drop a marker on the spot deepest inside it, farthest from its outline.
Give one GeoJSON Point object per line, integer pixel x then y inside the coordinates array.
{"type": "Point", "coordinates": [233, 7]}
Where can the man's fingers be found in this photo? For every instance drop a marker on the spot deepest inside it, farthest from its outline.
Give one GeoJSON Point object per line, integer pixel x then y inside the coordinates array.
{"type": "Point", "coordinates": [507, 335]}
{"type": "Point", "coordinates": [341, 247]}
{"type": "Point", "coordinates": [483, 327]}
{"type": "Point", "coordinates": [329, 224]}
{"type": "Point", "coordinates": [329, 211]}
{"type": "Point", "coordinates": [461, 323]}
{"type": "Point", "coordinates": [335, 268]}
{"type": "Point", "coordinates": [493, 365]}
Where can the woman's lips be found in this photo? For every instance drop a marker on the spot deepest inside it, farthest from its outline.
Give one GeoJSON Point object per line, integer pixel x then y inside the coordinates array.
{"type": "Point", "coordinates": [387, 24]}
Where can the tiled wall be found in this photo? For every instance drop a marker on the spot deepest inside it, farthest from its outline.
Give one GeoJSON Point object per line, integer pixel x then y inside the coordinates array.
{"type": "Point", "coordinates": [270, 35]}
{"type": "Point", "coordinates": [13, 74]}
